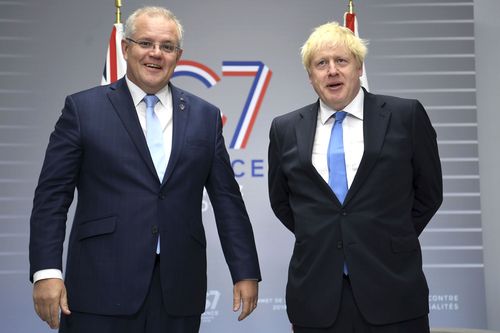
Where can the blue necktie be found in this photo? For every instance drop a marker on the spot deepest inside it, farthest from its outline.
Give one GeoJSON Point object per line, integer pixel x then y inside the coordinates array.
{"type": "Point", "coordinates": [154, 138]}
{"type": "Point", "coordinates": [336, 162]}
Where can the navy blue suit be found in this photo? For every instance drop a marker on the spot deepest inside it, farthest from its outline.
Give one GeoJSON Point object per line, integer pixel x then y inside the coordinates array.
{"type": "Point", "coordinates": [98, 147]}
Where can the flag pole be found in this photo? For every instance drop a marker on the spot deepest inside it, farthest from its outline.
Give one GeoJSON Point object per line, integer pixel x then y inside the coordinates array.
{"type": "Point", "coordinates": [351, 7]}
{"type": "Point", "coordinates": [350, 22]}
{"type": "Point", "coordinates": [118, 4]}
{"type": "Point", "coordinates": [350, 17]}
{"type": "Point", "coordinates": [115, 65]}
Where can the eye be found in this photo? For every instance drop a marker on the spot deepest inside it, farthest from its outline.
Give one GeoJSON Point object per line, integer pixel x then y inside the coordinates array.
{"type": "Point", "coordinates": [341, 61]}
{"type": "Point", "coordinates": [145, 44]}
{"type": "Point", "coordinates": [168, 47]}
{"type": "Point", "coordinates": [321, 63]}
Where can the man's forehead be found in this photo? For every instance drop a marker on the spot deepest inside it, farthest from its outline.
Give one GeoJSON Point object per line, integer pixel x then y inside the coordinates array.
{"type": "Point", "coordinates": [157, 24]}
{"type": "Point", "coordinates": [148, 18]}
{"type": "Point", "coordinates": [332, 49]}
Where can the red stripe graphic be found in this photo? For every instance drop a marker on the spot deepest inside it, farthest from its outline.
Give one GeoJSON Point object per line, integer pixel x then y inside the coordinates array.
{"type": "Point", "coordinates": [199, 65]}
{"type": "Point", "coordinates": [230, 73]}
{"type": "Point", "coordinates": [113, 66]}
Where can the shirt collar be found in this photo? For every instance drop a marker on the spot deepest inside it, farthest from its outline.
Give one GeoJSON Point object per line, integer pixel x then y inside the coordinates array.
{"type": "Point", "coordinates": [164, 95]}
{"type": "Point", "coordinates": [354, 108]}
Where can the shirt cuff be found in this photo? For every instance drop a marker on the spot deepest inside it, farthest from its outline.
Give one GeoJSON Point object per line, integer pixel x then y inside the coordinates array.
{"type": "Point", "coordinates": [47, 274]}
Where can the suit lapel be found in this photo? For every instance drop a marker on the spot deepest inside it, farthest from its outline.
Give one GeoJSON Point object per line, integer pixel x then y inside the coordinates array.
{"type": "Point", "coordinates": [180, 117]}
{"type": "Point", "coordinates": [305, 130]}
{"type": "Point", "coordinates": [120, 98]}
{"type": "Point", "coordinates": [375, 122]}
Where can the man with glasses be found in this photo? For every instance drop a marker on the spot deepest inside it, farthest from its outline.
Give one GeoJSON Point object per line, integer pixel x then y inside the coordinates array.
{"type": "Point", "coordinates": [140, 152]}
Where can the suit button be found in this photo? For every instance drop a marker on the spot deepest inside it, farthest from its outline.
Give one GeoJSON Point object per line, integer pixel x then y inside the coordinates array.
{"type": "Point", "coordinates": [161, 196]}
{"type": "Point", "coordinates": [154, 229]}
{"type": "Point", "coordinates": [344, 213]}
{"type": "Point", "coordinates": [339, 244]}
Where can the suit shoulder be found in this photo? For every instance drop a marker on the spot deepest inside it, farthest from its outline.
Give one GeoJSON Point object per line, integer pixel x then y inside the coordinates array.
{"type": "Point", "coordinates": [293, 116]}
{"type": "Point", "coordinates": [194, 99]}
{"type": "Point", "coordinates": [394, 101]}
{"type": "Point", "coordinates": [405, 109]}
{"type": "Point", "coordinates": [89, 93]}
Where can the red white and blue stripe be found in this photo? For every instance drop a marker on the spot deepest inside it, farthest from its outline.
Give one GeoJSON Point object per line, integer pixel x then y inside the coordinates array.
{"type": "Point", "coordinates": [198, 71]}
{"type": "Point", "coordinates": [255, 97]}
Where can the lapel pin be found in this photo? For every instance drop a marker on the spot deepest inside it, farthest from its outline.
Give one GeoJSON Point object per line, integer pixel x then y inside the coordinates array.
{"type": "Point", "coordinates": [182, 106]}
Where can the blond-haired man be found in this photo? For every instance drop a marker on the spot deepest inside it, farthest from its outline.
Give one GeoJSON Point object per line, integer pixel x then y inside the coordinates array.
{"type": "Point", "coordinates": [356, 177]}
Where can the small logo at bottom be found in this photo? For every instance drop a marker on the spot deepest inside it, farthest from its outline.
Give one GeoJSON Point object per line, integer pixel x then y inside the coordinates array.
{"type": "Point", "coordinates": [211, 302]}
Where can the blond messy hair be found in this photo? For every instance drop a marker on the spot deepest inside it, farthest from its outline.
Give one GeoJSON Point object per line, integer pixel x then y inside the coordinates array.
{"type": "Point", "coordinates": [333, 34]}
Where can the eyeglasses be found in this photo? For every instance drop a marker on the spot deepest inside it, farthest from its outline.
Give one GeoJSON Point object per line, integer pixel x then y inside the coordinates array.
{"type": "Point", "coordinates": [149, 45]}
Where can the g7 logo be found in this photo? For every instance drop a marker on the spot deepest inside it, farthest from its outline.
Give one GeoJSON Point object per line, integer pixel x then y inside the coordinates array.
{"type": "Point", "coordinates": [212, 300]}
{"type": "Point", "coordinates": [256, 69]}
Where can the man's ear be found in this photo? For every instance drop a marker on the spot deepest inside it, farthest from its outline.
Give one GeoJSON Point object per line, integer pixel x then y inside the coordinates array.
{"type": "Point", "coordinates": [125, 46]}
{"type": "Point", "coordinates": [179, 54]}
{"type": "Point", "coordinates": [360, 70]}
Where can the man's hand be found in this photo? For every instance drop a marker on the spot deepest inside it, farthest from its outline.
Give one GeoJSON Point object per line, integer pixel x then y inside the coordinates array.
{"type": "Point", "coordinates": [48, 296]}
{"type": "Point", "coordinates": [246, 293]}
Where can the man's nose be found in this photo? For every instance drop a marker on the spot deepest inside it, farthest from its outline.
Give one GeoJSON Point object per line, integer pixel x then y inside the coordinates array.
{"type": "Point", "coordinates": [332, 68]}
{"type": "Point", "coordinates": [155, 50]}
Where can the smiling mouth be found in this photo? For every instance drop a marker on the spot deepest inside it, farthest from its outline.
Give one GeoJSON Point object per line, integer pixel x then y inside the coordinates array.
{"type": "Point", "coordinates": [155, 66]}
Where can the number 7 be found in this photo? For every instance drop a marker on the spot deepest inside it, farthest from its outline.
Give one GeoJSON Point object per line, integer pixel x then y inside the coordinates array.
{"type": "Point", "coordinates": [262, 75]}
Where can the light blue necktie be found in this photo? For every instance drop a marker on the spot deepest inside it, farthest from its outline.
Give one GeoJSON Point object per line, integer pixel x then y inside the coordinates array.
{"type": "Point", "coordinates": [336, 162]}
{"type": "Point", "coordinates": [154, 138]}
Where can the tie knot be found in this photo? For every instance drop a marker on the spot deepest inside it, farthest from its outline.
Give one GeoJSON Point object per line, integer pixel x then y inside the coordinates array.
{"type": "Point", "coordinates": [151, 100]}
{"type": "Point", "coordinates": [340, 116]}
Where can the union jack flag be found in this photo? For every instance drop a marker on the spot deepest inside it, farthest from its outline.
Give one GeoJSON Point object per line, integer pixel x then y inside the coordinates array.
{"type": "Point", "coordinates": [115, 66]}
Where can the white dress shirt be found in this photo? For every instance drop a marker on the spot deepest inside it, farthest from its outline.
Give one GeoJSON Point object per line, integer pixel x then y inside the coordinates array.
{"type": "Point", "coordinates": [352, 134]}
{"type": "Point", "coordinates": [164, 111]}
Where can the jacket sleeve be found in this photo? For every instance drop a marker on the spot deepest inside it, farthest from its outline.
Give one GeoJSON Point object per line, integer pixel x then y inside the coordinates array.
{"type": "Point", "coordinates": [278, 184]}
{"type": "Point", "coordinates": [427, 176]}
{"type": "Point", "coordinates": [233, 224]}
{"type": "Point", "coordinates": [55, 192]}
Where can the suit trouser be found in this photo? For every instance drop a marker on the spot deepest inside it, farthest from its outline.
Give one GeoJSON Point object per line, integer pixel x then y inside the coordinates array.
{"type": "Point", "coordinates": [350, 320]}
{"type": "Point", "coordinates": [151, 318]}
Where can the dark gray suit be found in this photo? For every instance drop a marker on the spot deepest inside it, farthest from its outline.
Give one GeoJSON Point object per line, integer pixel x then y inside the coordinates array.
{"type": "Point", "coordinates": [396, 191]}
